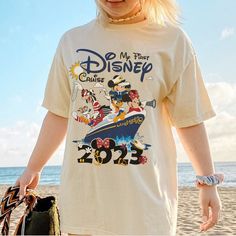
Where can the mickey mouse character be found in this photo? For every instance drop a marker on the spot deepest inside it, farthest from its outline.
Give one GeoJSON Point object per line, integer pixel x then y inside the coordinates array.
{"type": "Point", "coordinates": [119, 91]}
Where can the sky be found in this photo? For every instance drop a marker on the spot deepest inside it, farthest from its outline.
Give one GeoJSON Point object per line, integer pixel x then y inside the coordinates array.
{"type": "Point", "coordinates": [29, 34]}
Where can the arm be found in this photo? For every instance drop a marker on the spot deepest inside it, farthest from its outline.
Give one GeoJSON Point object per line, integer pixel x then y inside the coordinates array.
{"type": "Point", "coordinates": [195, 143]}
{"type": "Point", "coordinates": [51, 135]}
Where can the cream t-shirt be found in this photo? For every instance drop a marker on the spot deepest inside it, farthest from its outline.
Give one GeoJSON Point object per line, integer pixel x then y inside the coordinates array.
{"type": "Point", "coordinates": [123, 87]}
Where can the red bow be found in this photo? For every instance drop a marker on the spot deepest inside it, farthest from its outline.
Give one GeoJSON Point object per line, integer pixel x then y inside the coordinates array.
{"type": "Point", "coordinates": [105, 143]}
{"type": "Point", "coordinates": [133, 94]}
{"type": "Point", "coordinates": [142, 159]}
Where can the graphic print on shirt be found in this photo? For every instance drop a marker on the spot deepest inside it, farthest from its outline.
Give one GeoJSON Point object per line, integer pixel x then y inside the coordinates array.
{"type": "Point", "coordinates": [112, 110]}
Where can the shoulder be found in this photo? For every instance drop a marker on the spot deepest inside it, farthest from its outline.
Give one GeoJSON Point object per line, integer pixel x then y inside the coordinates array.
{"type": "Point", "coordinates": [78, 31]}
{"type": "Point", "coordinates": [181, 44]}
{"type": "Point", "coordinates": [179, 48]}
{"type": "Point", "coordinates": [178, 36]}
{"type": "Point", "coordinates": [172, 38]}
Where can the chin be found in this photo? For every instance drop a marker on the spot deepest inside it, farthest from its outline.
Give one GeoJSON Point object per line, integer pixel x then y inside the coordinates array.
{"type": "Point", "coordinates": [115, 8]}
{"type": "Point", "coordinates": [115, 4]}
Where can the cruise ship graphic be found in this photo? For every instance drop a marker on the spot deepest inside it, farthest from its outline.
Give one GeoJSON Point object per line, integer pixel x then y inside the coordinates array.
{"type": "Point", "coordinates": [127, 127]}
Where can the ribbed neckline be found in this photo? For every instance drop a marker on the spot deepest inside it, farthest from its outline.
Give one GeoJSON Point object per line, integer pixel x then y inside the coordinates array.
{"type": "Point", "coordinates": [127, 26]}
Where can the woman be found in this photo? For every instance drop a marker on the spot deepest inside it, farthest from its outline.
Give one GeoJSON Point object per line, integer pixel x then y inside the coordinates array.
{"type": "Point", "coordinates": [119, 176]}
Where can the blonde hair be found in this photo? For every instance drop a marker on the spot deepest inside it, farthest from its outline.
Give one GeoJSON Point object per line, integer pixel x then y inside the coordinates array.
{"type": "Point", "coordinates": [156, 11]}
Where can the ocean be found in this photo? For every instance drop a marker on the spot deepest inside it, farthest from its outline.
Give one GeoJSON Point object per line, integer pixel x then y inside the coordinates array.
{"type": "Point", "coordinates": [186, 176]}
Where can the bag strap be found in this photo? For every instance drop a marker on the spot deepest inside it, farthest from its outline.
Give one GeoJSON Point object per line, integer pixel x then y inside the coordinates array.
{"type": "Point", "coordinates": [30, 200]}
{"type": "Point", "coordinates": [6, 223]}
{"type": "Point", "coordinates": [10, 201]}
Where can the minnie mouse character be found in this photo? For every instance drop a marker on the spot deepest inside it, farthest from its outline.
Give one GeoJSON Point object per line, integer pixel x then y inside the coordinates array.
{"type": "Point", "coordinates": [134, 102]}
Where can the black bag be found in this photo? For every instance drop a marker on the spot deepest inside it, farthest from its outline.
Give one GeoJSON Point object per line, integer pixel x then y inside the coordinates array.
{"type": "Point", "coordinates": [41, 216]}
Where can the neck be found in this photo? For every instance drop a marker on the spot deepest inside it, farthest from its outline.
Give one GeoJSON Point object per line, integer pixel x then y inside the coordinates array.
{"type": "Point", "coordinates": [137, 15]}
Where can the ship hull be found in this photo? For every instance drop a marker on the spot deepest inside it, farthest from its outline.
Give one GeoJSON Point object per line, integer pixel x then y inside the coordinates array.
{"type": "Point", "coordinates": [120, 129]}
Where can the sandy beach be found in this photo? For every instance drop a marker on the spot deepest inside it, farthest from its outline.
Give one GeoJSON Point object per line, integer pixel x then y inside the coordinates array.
{"type": "Point", "coordinates": [188, 213]}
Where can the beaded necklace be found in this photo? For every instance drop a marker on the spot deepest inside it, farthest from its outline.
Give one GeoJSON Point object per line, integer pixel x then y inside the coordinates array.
{"type": "Point", "coordinates": [127, 18]}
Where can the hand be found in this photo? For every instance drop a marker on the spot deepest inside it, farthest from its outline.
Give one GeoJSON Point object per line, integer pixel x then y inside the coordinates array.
{"type": "Point", "coordinates": [29, 179]}
{"type": "Point", "coordinates": [210, 204]}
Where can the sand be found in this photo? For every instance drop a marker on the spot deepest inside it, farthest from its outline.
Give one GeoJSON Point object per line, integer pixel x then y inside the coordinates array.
{"type": "Point", "coordinates": [188, 212]}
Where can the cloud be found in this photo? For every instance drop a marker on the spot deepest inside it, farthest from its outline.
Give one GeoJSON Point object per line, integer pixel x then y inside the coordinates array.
{"type": "Point", "coordinates": [227, 33]}
{"type": "Point", "coordinates": [221, 129]}
{"type": "Point", "coordinates": [223, 97]}
{"type": "Point", "coordinates": [213, 77]}
{"type": "Point", "coordinates": [17, 143]}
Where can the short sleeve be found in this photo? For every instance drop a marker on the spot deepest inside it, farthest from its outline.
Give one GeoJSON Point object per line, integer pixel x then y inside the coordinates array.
{"type": "Point", "coordinates": [57, 91]}
{"type": "Point", "coordinates": [188, 102]}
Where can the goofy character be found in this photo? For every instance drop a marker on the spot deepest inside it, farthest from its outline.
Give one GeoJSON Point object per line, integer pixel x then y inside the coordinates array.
{"type": "Point", "coordinates": [99, 111]}
{"type": "Point", "coordinates": [82, 114]}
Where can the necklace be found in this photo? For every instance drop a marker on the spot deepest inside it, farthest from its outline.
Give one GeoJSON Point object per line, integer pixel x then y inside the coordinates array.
{"type": "Point", "coordinates": [127, 18]}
